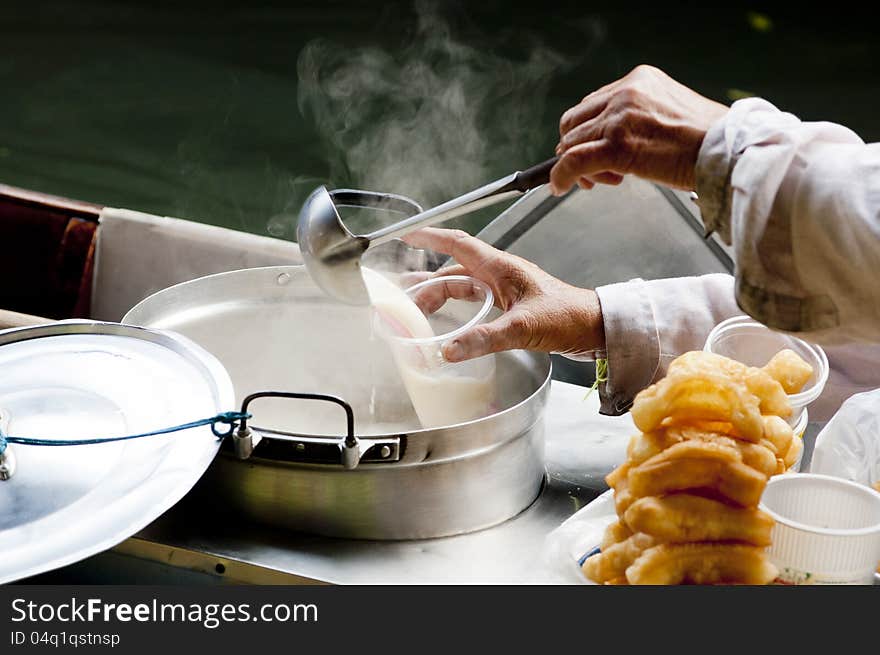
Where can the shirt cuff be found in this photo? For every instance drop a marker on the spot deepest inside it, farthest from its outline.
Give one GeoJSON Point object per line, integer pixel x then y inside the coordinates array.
{"type": "Point", "coordinates": [719, 152]}
{"type": "Point", "coordinates": [632, 344]}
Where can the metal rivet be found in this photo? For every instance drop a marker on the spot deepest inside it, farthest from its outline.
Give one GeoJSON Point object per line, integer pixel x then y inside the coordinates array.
{"type": "Point", "coordinates": [7, 464]}
{"type": "Point", "coordinates": [283, 279]}
{"type": "Point", "coordinates": [384, 452]}
{"type": "Point", "coordinates": [300, 447]}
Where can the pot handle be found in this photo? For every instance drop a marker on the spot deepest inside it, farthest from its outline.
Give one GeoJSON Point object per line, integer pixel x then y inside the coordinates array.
{"type": "Point", "coordinates": [351, 449]}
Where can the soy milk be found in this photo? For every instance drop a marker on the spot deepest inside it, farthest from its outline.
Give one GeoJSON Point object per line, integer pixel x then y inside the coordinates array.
{"type": "Point", "coordinates": [441, 393]}
{"type": "Point", "coordinates": [395, 308]}
{"type": "Point", "coordinates": [445, 399]}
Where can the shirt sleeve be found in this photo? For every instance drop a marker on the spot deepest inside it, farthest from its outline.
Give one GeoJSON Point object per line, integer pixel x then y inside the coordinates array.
{"type": "Point", "coordinates": [650, 323]}
{"type": "Point", "coordinates": [800, 204]}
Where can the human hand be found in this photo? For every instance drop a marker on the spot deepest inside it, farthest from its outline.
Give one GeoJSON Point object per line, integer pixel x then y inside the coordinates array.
{"type": "Point", "coordinates": [541, 312]}
{"type": "Point", "coordinates": [645, 124]}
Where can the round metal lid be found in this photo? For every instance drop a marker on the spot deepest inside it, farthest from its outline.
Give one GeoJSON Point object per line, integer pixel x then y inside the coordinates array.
{"type": "Point", "coordinates": [82, 379]}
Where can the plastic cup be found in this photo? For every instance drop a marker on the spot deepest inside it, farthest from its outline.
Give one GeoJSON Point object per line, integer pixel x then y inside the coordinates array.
{"type": "Point", "coordinates": [747, 341]}
{"type": "Point", "coordinates": [445, 393]}
{"type": "Point", "coordinates": [827, 529]}
{"type": "Point", "coordinates": [798, 429]}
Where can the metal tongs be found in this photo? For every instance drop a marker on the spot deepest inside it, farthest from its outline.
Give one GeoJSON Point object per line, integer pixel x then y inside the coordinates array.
{"type": "Point", "coordinates": [332, 253]}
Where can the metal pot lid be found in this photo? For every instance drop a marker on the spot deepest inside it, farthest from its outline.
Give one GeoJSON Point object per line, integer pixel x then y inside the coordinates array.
{"type": "Point", "coordinates": [84, 380]}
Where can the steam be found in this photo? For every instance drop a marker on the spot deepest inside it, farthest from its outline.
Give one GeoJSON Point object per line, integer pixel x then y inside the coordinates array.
{"type": "Point", "coordinates": [432, 120]}
{"type": "Point", "coordinates": [283, 224]}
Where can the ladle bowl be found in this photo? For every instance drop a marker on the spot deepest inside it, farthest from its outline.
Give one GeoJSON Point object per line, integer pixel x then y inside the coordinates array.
{"type": "Point", "coordinates": [331, 252]}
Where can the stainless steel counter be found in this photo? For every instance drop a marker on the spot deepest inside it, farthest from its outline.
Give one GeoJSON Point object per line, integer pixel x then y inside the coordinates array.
{"type": "Point", "coordinates": [198, 542]}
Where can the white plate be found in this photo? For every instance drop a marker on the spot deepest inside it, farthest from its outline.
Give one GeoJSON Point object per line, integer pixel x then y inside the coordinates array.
{"type": "Point", "coordinates": [78, 379]}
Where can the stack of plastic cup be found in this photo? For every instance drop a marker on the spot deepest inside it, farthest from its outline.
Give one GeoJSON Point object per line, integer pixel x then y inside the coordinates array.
{"type": "Point", "coordinates": [827, 529]}
{"type": "Point", "coordinates": [747, 341]}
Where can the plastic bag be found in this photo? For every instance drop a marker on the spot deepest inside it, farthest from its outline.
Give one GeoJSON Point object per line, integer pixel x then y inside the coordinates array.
{"type": "Point", "coordinates": [565, 547]}
{"type": "Point", "coordinates": [849, 445]}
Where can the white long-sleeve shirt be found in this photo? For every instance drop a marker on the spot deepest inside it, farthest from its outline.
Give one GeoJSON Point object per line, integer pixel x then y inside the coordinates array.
{"type": "Point", "coordinates": [800, 204]}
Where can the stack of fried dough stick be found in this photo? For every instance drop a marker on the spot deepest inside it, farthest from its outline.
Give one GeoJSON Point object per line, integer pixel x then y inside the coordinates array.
{"type": "Point", "coordinates": [712, 433]}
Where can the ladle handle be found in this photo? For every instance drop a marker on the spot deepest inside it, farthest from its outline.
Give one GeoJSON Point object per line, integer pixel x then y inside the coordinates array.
{"type": "Point", "coordinates": [506, 188]}
{"type": "Point", "coordinates": [535, 176]}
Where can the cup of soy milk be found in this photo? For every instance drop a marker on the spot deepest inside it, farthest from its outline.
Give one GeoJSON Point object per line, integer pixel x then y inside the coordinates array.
{"type": "Point", "coordinates": [416, 323]}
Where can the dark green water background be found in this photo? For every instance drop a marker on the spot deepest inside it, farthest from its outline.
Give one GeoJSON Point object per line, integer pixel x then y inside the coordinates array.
{"type": "Point", "coordinates": [191, 109]}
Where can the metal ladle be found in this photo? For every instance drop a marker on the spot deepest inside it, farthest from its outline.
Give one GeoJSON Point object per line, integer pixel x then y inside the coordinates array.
{"type": "Point", "coordinates": [332, 252]}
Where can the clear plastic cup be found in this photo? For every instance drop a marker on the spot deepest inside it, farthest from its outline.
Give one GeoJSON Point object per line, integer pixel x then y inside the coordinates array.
{"type": "Point", "coordinates": [444, 393]}
{"type": "Point", "coordinates": [798, 429]}
{"type": "Point", "coordinates": [744, 339]}
{"type": "Point", "coordinates": [827, 529]}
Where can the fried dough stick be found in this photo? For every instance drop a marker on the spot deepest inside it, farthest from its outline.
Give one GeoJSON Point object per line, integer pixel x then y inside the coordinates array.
{"type": "Point", "coordinates": [787, 368]}
{"type": "Point", "coordinates": [612, 562]}
{"type": "Point", "coordinates": [701, 563]}
{"type": "Point", "coordinates": [614, 534]}
{"type": "Point", "coordinates": [760, 456]}
{"type": "Point", "coordinates": [794, 451]}
{"type": "Point", "coordinates": [681, 518]}
{"type": "Point", "coordinates": [697, 465]}
{"type": "Point", "coordinates": [703, 397]}
{"type": "Point", "coordinates": [779, 433]}
{"type": "Point", "coordinates": [618, 481]}
{"type": "Point", "coordinates": [772, 395]}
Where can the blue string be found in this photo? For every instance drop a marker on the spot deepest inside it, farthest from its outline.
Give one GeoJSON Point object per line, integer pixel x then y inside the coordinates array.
{"type": "Point", "coordinates": [588, 554]}
{"type": "Point", "coordinates": [226, 418]}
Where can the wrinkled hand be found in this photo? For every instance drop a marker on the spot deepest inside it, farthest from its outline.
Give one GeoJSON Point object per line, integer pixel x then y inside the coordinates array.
{"type": "Point", "coordinates": [645, 124]}
{"type": "Point", "coordinates": [541, 312]}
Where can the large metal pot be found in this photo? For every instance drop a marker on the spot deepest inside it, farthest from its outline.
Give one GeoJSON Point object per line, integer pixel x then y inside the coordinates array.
{"type": "Point", "coordinates": [378, 476]}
